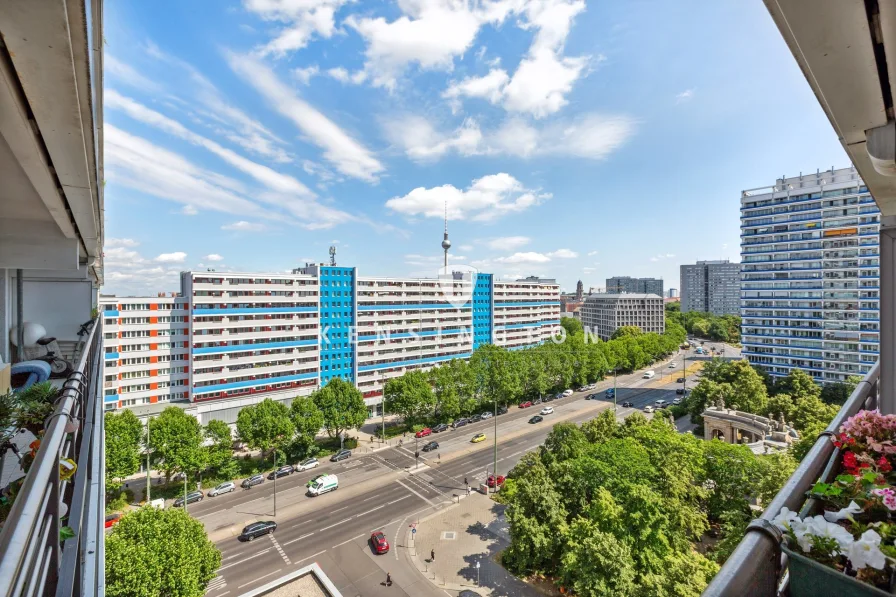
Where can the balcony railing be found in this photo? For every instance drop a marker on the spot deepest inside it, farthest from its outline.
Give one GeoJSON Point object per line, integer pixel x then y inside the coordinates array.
{"type": "Point", "coordinates": [757, 566]}
{"type": "Point", "coordinates": [33, 560]}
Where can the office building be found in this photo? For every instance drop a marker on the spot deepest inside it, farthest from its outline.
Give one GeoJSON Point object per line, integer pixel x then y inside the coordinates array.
{"type": "Point", "coordinates": [810, 292]}
{"type": "Point", "coordinates": [672, 293]}
{"type": "Point", "coordinates": [228, 340]}
{"type": "Point", "coordinates": [602, 314]}
{"type": "Point", "coordinates": [620, 284]}
{"type": "Point", "coordinates": [711, 287]}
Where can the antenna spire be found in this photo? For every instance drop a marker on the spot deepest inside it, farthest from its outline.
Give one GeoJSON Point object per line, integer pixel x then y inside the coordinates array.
{"type": "Point", "coordinates": [446, 244]}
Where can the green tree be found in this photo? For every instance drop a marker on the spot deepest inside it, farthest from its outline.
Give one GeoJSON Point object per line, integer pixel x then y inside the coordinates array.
{"type": "Point", "coordinates": [496, 374]}
{"type": "Point", "coordinates": [700, 328]}
{"type": "Point", "coordinates": [409, 396]}
{"type": "Point", "coordinates": [265, 426]}
{"type": "Point", "coordinates": [342, 406]}
{"type": "Point", "coordinates": [565, 442]}
{"type": "Point", "coordinates": [307, 419]}
{"type": "Point", "coordinates": [685, 574]}
{"type": "Point", "coordinates": [595, 563]}
{"type": "Point", "coordinates": [153, 552]}
{"type": "Point", "coordinates": [799, 384]}
{"type": "Point", "coordinates": [124, 433]}
{"type": "Point", "coordinates": [602, 428]}
{"type": "Point", "coordinates": [219, 445]}
{"type": "Point", "coordinates": [176, 441]}
{"type": "Point", "coordinates": [626, 331]}
{"type": "Point", "coordinates": [837, 393]}
{"type": "Point", "coordinates": [718, 331]}
{"type": "Point", "coordinates": [572, 326]}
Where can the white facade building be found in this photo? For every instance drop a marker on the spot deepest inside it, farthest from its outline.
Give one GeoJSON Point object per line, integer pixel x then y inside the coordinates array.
{"type": "Point", "coordinates": [603, 314]}
{"type": "Point", "coordinates": [810, 292]}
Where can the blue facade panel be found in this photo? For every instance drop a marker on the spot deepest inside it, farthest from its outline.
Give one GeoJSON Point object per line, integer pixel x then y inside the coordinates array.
{"type": "Point", "coordinates": [337, 322]}
{"type": "Point", "coordinates": [483, 302]}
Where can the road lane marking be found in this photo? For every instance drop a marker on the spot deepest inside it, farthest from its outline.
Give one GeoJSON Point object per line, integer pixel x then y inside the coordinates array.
{"type": "Point", "coordinates": [259, 578]}
{"type": "Point", "coordinates": [335, 524]}
{"type": "Point", "coordinates": [425, 499]}
{"type": "Point", "coordinates": [298, 539]}
{"type": "Point", "coordinates": [347, 541]}
{"type": "Point", "coordinates": [314, 555]}
{"type": "Point", "coordinates": [369, 511]}
{"type": "Point", "coordinates": [338, 509]}
{"type": "Point", "coordinates": [279, 549]}
{"type": "Point", "coordinates": [216, 584]}
{"type": "Point", "coordinates": [239, 554]}
{"type": "Point", "coordinates": [404, 497]}
{"type": "Point", "coordinates": [244, 559]}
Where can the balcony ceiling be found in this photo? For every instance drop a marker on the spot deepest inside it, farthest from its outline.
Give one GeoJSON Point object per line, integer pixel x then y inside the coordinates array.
{"type": "Point", "coordinates": [51, 201]}
{"type": "Point", "coordinates": [834, 44]}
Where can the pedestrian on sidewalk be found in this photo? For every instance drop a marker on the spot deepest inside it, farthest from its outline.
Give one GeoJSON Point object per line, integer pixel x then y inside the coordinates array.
{"type": "Point", "coordinates": [468, 490]}
{"type": "Point", "coordinates": [465, 482]}
{"type": "Point", "coordinates": [432, 555]}
{"type": "Point", "coordinates": [440, 458]}
{"type": "Point", "coordinates": [388, 579]}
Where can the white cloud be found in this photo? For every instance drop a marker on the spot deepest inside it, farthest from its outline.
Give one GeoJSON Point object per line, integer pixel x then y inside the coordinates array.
{"type": "Point", "coordinates": [489, 87]}
{"type": "Point", "coordinates": [465, 248]}
{"type": "Point", "coordinates": [592, 253]}
{"type": "Point", "coordinates": [662, 256]}
{"type": "Point", "coordinates": [590, 136]}
{"type": "Point", "coordinates": [339, 73]}
{"type": "Point", "coordinates": [684, 96]}
{"type": "Point", "coordinates": [563, 254]}
{"type": "Point", "coordinates": [486, 198]}
{"type": "Point", "coordinates": [508, 243]}
{"type": "Point", "coordinates": [116, 70]}
{"type": "Point", "coordinates": [303, 75]}
{"type": "Point", "coordinates": [120, 242]}
{"type": "Point", "coordinates": [244, 226]}
{"type": "Point", "coordinates": [589, 270]}
{"type": "Point", "coordinates": [189, 210]}
{"type": "Point", "coordinates": [541, 82]}
{"type": "Point", "coordinates": [214, 257]}
{"type": "Point", "coordinates": [346, 154]}
{"type": "Point", "coordinates": [529, 257]}
{"type": "Point", "coordinates": [176, 257]}
{"type": "Point", "coordinates": [127, 272]}
{"type": "Point", "coordinates": [431, 261]}
{"type": "Point", "coordinates": [302, 20]}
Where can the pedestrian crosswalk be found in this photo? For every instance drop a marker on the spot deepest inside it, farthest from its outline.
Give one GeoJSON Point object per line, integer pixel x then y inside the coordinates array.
{"type": "Point", "coordinates": [279, 549]}
{"type": "Point", "coordinates": [216, 584]}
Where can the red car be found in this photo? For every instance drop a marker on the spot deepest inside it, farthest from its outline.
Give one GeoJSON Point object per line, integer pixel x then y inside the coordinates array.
{"type": "Point", "coordinates": [526, 404]}
{"type": "Point", "coordinates": [423, 432]}
{"type": "Point", "coordinates": [378, 540]}
{"type": "Point", "coordinates": [112, 519]}
{"type": "Point", "coordinates": [491, 480]}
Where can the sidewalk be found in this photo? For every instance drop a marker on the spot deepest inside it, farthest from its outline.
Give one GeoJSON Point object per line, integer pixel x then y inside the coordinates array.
{"type": "Point", "coordinates": [471, 531]}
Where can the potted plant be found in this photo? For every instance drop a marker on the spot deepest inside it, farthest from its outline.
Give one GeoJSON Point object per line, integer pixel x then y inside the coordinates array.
{"type": "Point", "coordinates": [34, 405]}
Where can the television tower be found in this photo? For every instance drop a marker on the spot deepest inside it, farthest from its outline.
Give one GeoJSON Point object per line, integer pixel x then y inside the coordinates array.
{"type": "Point", "coordinates": [446, 244]}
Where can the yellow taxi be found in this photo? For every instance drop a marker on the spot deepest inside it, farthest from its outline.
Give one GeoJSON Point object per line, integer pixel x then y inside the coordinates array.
{"type": "Point", "coordinates": [479, 437]}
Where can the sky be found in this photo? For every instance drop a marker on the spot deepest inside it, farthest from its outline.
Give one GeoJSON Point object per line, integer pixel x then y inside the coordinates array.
{"type": "Point", "coordinates": [567, 139]}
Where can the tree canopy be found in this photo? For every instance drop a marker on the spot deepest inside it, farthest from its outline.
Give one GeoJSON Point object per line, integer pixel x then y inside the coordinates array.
{"type": "Point", "coordinates": [124, 432]}
{"type": "Point", "coordinates": [341, 405]}
{"type": "Point", "coordinates": [265, 426]}
{"type": "Point", "coordinates": [175, 438]}
{"type": "Point", "coordinates": [724, 328]}
{"type": "Point", "coordinates": [410, 396]}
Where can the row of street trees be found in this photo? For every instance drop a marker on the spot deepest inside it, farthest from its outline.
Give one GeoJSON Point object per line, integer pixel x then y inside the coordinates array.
{"type": "Point", "coordinates": [724, 328]}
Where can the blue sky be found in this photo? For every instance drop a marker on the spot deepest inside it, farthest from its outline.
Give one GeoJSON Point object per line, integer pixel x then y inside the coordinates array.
{"type": "Point", "coordinates": [569, 139]}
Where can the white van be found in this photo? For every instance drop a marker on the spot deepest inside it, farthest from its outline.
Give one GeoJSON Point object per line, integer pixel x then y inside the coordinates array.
{"type": "Point", "coordinates": [323, 485]}
{"type": "Point", "coordinates": [648, 374]}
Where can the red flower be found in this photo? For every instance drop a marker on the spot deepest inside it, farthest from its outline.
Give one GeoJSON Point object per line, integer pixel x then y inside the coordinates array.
{"type": "Point", "coordinates": [884, 465]}
{"type": "Point", "coordinates": [849, 461]}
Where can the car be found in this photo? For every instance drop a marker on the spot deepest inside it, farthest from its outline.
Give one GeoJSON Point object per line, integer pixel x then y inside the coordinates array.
{"type": "Point", "coordinates": [486, 415]}
{"type": "Point", "coordinates": [648, 409]}
{"type": "Point", "coordinates": [502, 410]}
{"type": "Point", "coordinates": [430, 446]}
{"type": "Point", "coordinates": [526, 404]}
{"type": "Point", "coordinates": [582, 389]}
{"type": "Point", "coordinates": [283, 471]}
{"type": "Point", "coordinates": [440, 428]}
{"type": "Point", "coordinates": [673, 365]}
{"type": "Point", "coordinates": [252, 481]}
{"type": "Point", "coordinates": [314, 479]}
{"type": "Point", "coordinates": [648, 374]}
{"type": "Point", "coordinates": [558, 396]}
{"type": "Point", "coordinates": [460, 423]}
{"type": "Point", "coordinates": [676, 401]}
{"type": "Point", "coordinates": [679, 391]}
{"type": "Point", "coordinates": [379, 542]}
{"type": "Point", "coordinates": [679, 380]}
{"type": "Point", "coordinates": [538, 401]}
{"type": "Point", "coordinates": [628, 404]}
{"type": "Point", "coordinates": [112, 519]}
{"type": "Point", "coordinates": [222, 489]}
{"type": "Point", "coordinates": [193, 496]}
{"type": "Point", "coordinates": [307, 464]}
{"type": "Point", "coordinates": [547, 410]}
{"type": "Point", "coordinates": [340, 455]}
{"type": "Point", "coordinates": [258, 529]}
{"type": "Point", "coordinates": [423, 432]}
{"type": "Point", "coordinates": [536, 419]}
{"type": "Point", "coordinates": [591, 386]}
{"type": "Point", "coordinates": [610, 392]}
{"type": "Point", "coordinates": [567, 393]}
{"type": "Point", "coordinates": [491, 480]}
{"type": "Point", "coordinates": [479, 437]}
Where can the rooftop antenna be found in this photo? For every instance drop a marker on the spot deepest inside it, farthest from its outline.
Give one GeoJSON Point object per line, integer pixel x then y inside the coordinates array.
{"type": "Point", "coordinates": [333, 255]}
{"type": "Point", "coordinates": [446, 244]}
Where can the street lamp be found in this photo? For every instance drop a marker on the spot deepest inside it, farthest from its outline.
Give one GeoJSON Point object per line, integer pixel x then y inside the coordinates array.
{"type": "Point", "coordinates": [148, 464]}
{"type": "Point", "coordinates": [614, 391]}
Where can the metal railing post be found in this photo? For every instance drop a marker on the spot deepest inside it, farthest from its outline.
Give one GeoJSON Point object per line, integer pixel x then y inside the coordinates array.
{"type": "Point", "coordinates": [887, 331]}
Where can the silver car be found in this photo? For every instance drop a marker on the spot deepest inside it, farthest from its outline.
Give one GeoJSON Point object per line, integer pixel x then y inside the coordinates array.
{"type": "Point", "coordinates": [485, 415]}
{"type": "Point", "coordinates": [222, 489]}
{"type": "Point", "coordinates": [307, 465]}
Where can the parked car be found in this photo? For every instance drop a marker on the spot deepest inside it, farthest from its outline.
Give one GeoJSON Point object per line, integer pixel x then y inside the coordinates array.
{"type": "Point", "coordinates": [648, 374]}
{"type": "Point", "coordinates": [491, 480]}
{"type": "Point", "coordinates": [479, 437]}
{"type": "Point", "coordinates": [567, 393]}
{"type": "Point", "coordinates": [502, 410]}
{"type": "Point", "coordinates": [679, 391]}
{"type": "Point", "coordinates": [536, 419]}
{"type": "Point", "coordinates": [314, 479]}
{"type": "Point", "coordinates": [307, 465]}
{"type": "Point", "coordinates": [283, 471]}
{"type": "Point", "coordinates": [252, 481]}
{"type": "Point", "coordinates": [676, 401]}
{"type": "Point", "coordinates": [379, 542]}
{"type": "Point", "coordinates": [112, 519]}
{"type": "Point", "coordinates": [430, 446]}
{"type": "Point", "coordinates": [648, 409]}
{"type": "Point", "coordinates": [340, 455]}
{"type": "Point", "coordinates": [628, 404]}
{"type": "Point", "coordinates": [440, 428]}
{"type": "Point", "coordinates": [193, 496]}
{"type": "Point", "coordinates": [679, 380]}
{"type": "Point", "coordinates": [459, 423]}
{"type": "Point", "coordinates": [547, 410]}
{"type": "Point", "coordinates": [526, 404]}
{"type": "Point", "coordinates": [222, 489]}
{"type": "Point", "coordinates": [582, 389]}
{"type": "Point", "coordinates": [258, 529]}
{"type": "Point", "coordinates": [672, 365]}
{"type": "Point", "coordinates": [538, 401]}
{"type": "Point", "coordinates": [423, 432]}
{"type": "Point", "coordinates": [486, 415]}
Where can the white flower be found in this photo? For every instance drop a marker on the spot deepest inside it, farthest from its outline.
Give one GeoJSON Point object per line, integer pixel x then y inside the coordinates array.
{"type": "Point", "coordinates": [865, 551]}
{"type": "Point", "coordinates": [785, 519]}
{"type": "Point", "coordinates": [819, 527]}
{"type": "Point", "coordinates": [847, 512]}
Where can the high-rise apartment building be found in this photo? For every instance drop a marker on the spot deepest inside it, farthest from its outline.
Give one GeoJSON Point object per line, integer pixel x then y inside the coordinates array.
{"type": "Point", "coordinates": [603, 314]}
{"type": "Point", "coordinates": [620, 284]}
{"type": "Point", "coordinates": [228, 340]}
{"type": "Point", "coordinates": [711, 286]}
{"type": "Point", "coordinates": [672, 293]}
{"type": "Point", "coordinates": [810, 292]}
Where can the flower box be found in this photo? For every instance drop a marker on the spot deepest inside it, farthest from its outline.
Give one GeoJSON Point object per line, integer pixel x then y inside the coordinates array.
{"type": "Point", "coordinates": [809, 578]}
